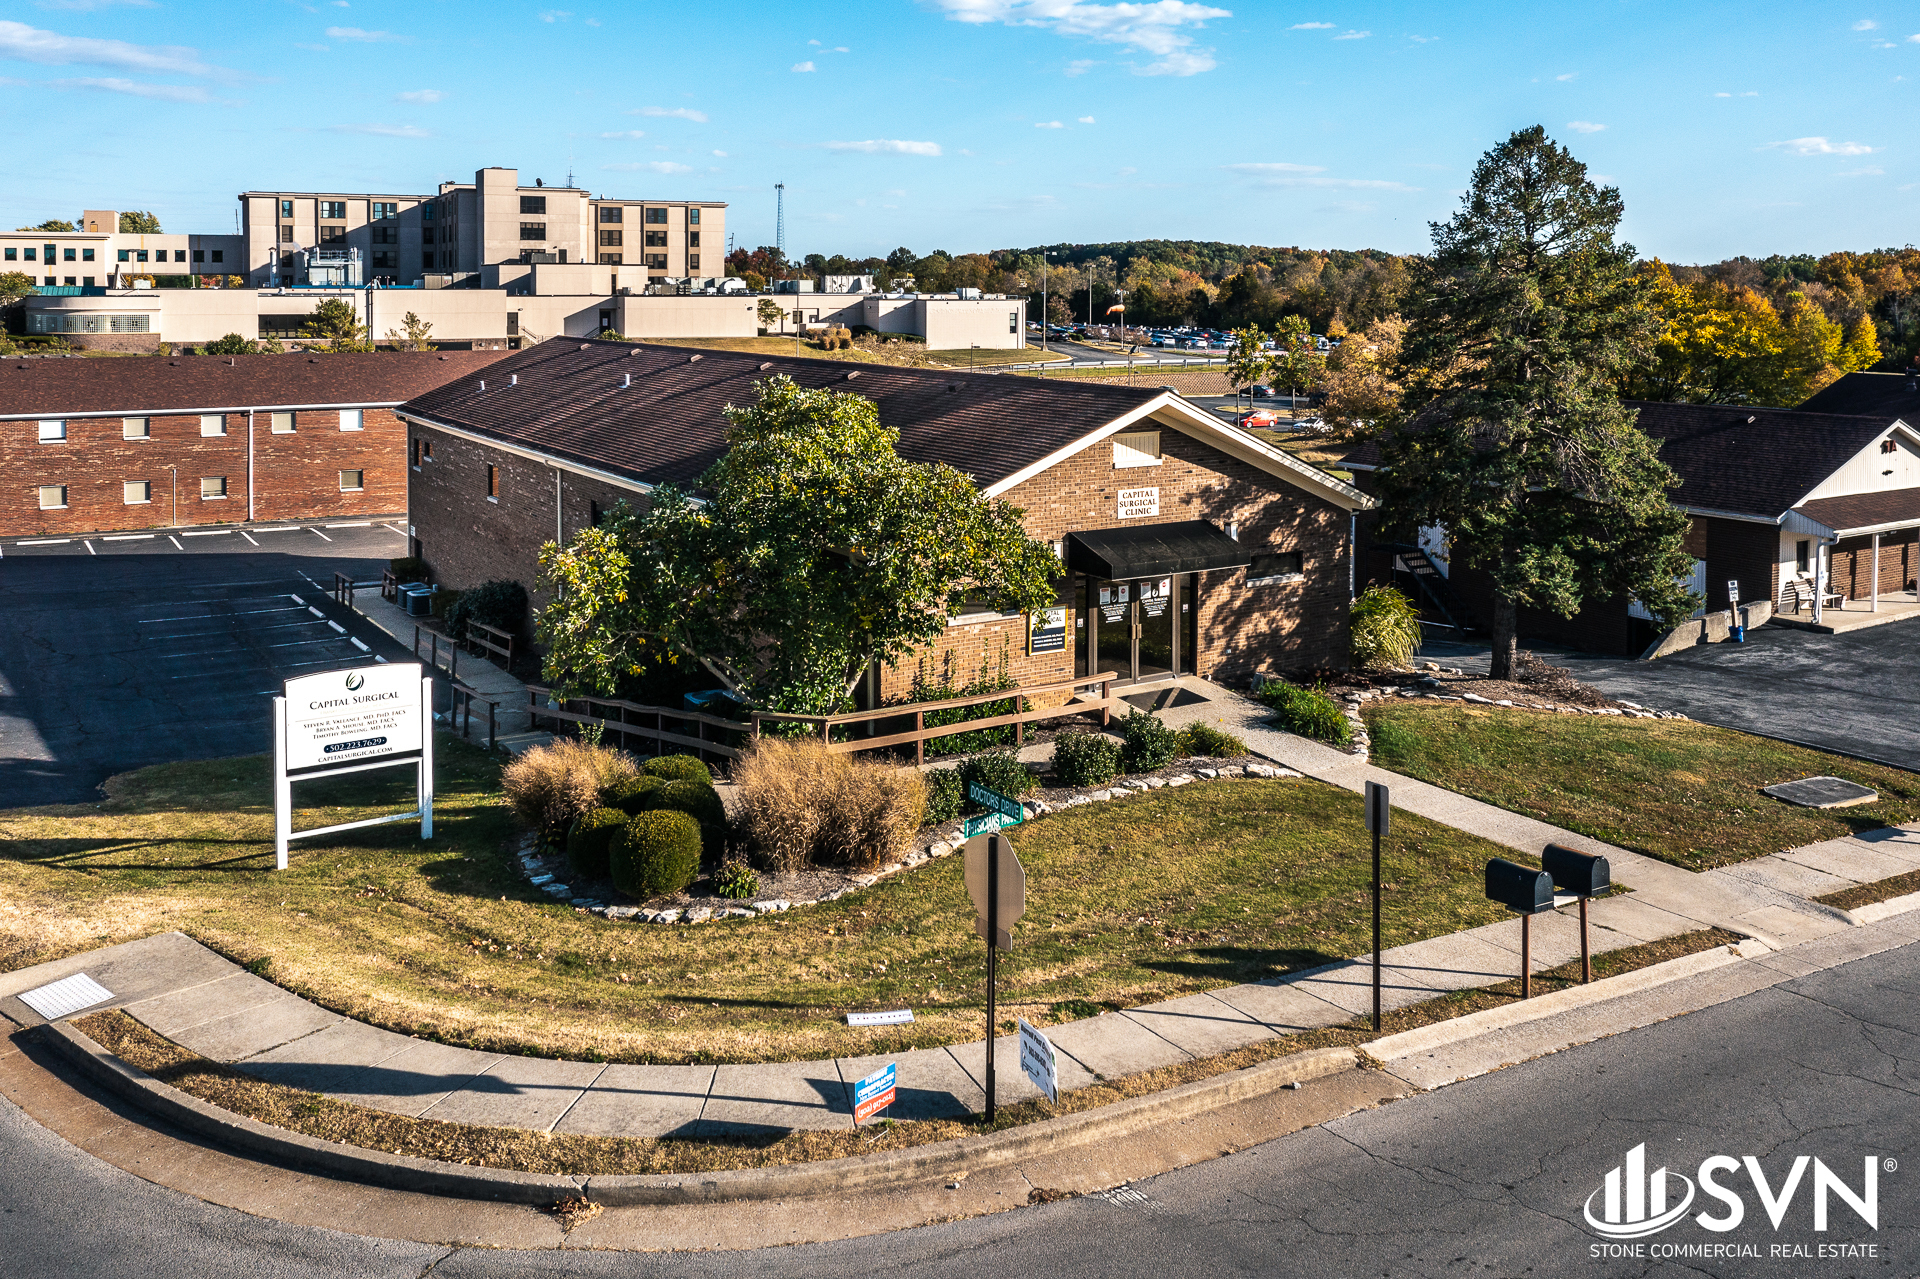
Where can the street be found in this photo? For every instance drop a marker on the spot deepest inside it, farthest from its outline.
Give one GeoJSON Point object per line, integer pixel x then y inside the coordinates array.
{"type": "Point", "coordinates": [1490, 1176]}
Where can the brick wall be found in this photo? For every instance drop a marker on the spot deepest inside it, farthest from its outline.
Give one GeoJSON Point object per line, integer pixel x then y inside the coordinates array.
{"type": "Point", "coordinates": [296, 476]}
{"type": "Point", "coordinates": [1853, 563]}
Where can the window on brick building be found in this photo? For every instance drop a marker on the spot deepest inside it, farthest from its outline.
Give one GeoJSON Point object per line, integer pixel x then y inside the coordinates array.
{"type": "Point", "coordinates": [1136, 448]}
{"type": "Point", "coordinates": [333, 209]}
{"type": "Point", "coordinates": [533, 230]}
{"type": "Point", "coordinates": [493, 483]}
{"type": "Point", "coordinates": [213, 424]}
{"type": "Point", "coordinates": [86, 255]}
{"type": "Point", "coordinates": [533, 204]}
{"type": "Point", "coordinates": [53, 497]}
{"type": "Point", "coordinates": [413, 453]}
{"type": "Point", "coordinates": [351, 420]}
{"type": "Point", "coordinates": [52, 430]}
{"type": "Point", "coordinates": [610, 239]}
{"type": "Point", "coordinates": [657, 215]}
{"type": "Point", "coordinates": [426, 449]}
{"type": "Point", "coordinates": [352, 481]}
{"type": "Point", "coordinates": [213, 488]}
{"type": "Point", "coordinates": [283, 423]}
{"type": "Point", "coordinates": [136, 428]}
{"type": "Point", "coordinates": [693, 216]}
{"type": "Point", "coordinates": [611, 213]}
{"type": "Point", "coordinates": [1275, 566]}
{"type": "Point", "coordinates": [137, 492]}
{"type": "Point", "coordinates": [594, 515]}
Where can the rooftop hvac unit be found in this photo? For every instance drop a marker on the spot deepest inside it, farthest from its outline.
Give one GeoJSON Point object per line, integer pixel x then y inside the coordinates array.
{"type": "Point", "coordinates": [969, 294]}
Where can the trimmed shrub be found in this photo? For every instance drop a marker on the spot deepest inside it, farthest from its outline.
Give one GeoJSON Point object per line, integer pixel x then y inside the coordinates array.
{"type": "Point", "coordinates": [654, 853]}
{"type": "Point", "coordinates": [409, 568]}
{"type": "Point", "coordinates": [591, 840]}
{"type": "Point", "coordinates": [1146, 743]}
{"type": "Point", "coordinates": [549, 787]}
{"type": "Point", "coordinates": [629, 795]}
{"type": "Point", "coordinates": [998, 771]}
{"type": "Point", "coordinates": [801, 803]}
{"type": "Point", "coordinates": [1383, 629]}
{"type": "Point", "coordinates": [735, 879]}
{"type": "Point", "coordinates": [1082, 758]}
{"type": "Point", "coordinates": [678, 768]}
{"type": "Point", "coordinates": [1205, 739]}
{"type": "Point", "coordinates": [944, 793]}
{"type": "Point", "coordinates": [500, 604]}
{"type": "Point", "coordinates": [697, 800]}
{"type": "Point", "coordinates": [1308, 712]}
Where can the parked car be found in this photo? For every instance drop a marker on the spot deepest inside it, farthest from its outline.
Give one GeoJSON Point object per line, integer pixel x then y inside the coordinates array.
{"type": "Point", "coordinates": [1260, 392]}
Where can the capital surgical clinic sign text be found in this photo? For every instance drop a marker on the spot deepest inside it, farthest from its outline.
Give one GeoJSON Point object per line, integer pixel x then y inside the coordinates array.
{"type": "Point", "coordinates": [345, 717]}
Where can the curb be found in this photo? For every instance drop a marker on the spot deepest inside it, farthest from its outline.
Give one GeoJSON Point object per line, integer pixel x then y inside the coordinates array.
{"type": "Point", "coordinates": [833, 1176]}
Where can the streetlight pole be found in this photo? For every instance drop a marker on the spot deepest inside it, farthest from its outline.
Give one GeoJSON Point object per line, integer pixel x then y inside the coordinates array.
{"type": "Point", "coordinates": [176, 495]}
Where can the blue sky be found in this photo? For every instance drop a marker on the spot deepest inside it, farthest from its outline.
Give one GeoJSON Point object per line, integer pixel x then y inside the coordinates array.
{"type": "Point", "coordinates": [978, 124]}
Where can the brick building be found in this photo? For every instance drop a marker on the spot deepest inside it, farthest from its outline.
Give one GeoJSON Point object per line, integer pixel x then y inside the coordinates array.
{"type": "Point", "coordinates": [1187, 545]}
{"type": "Point", "coordinates": [107, 445]}
{"type": "Point", "coordinates": [1773, 496]}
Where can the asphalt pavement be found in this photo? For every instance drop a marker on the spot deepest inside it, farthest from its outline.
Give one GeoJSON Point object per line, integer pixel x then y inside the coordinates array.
{"type": "Point", "coordinates": [1491, 1176]}
{"type": "Point", "coordinates": [137, 649]}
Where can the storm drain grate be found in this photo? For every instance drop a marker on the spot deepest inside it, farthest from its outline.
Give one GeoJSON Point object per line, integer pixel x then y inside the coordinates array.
{"type": "Point", "coordinates": [1822, 792]}
{"type": "Point", "coordinates": [1128, 1197]}
{"type": "Point", "coordinates": [68, 995]}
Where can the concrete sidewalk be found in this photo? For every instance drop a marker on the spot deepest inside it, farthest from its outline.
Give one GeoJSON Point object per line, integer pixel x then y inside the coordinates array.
{"type": "Point", "coordinates": [487, 680]}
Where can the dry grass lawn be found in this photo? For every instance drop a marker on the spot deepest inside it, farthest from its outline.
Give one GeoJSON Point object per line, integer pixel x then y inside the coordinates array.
{"type": "Point", "coordinates": [1684, 792]}
{"type": "Point", "coordinates": [1163, 894]}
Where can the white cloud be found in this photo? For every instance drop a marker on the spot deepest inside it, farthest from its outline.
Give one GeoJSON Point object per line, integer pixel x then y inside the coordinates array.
{"type": "Point", "coordinates": [1819, 146]}
{"type": "Point", "coordinates": [648, 166]}
{"type": "Point", "coordinates": [625, 134]}
{"type": "Point", "coordinates": [1585, 126]}
{"type": "Point", "coordinates": [87, 6]}
{"type": "Point", "coordinates": [1915, 39]}
{"type": "Point", "coordinates": [893, 146]}
{"type": "Point", "coordinates": [1278, 168]}
{"type": "Point", "coordinates": [364, 37]}
{"type": "Point", "coordinates": [1354, 35]}
{"type": "Point", "coordinates": [1423, 39]}
{"type": "Point", "coordinates": [721, 154]}
{"type": "Point", "coordinates": [841, 48]}
{"type": "Point", "coordinates": [1080, 66]}
{"type": "Point", "coordinates": [30, 44]}
{"type": "Point", "coordinates": [419, 95]}
{"type": "Point", "coordinates": [1866, 24]}
{"type": "Point", "coordinates": [556, 15]}
{"type": "Point", "coordinates": [814, 43]}
{"type": "Point", "coordinates": [382, 130]}
{"type": "Point", "coordinates": [1049, 124]}
{"type": "Point", "coordinates": [159, 92]}
{"type": "Point", "coordinates": [672, 113]}
{"type": "Point", "coordinates": [1750, 93]}
{"type": "Point", "coordinates": [1311, 26]}
{"type": "Point", "coordinates": [1871, 171]}
{"type": "Point", "coordinates": [1157, 28]}
{"type": "Point", "coordinates": [802, 66]}
{"type": "Point", "coordinates": [1086, 119]}
{"type": "Point", "coordinates": [1571, 75]}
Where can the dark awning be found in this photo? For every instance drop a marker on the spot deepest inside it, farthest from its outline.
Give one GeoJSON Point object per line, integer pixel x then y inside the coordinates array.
{"type": "Point", "coordinates": [1152, 550]}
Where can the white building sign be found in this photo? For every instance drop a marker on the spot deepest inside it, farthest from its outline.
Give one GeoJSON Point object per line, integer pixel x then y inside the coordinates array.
{"type": "Point", "coordinates": [347, 717]}
{"type": "Point", "coordinates": [1135, 503]}
{"type": "Point", "coordinates": [1037, 1059]}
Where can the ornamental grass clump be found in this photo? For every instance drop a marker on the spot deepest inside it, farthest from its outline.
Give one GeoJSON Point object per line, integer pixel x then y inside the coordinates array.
{"type": "Point", "coordinates": [801, 804]}
{"type": "Point", "coordinates": [1204, 739]}
{"type": "Point", "coordinates": [1383, 629]}
{"type": "Point", "coordinates": [549, 787]}
{"type": "Point", "coordinates": [1307, 711]}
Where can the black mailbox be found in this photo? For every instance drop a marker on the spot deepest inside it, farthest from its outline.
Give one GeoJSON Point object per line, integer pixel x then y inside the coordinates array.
{"type": "Point", "coordinates": [1581, 874]}
{"type": "Point", "coordinates": [1518, 888]}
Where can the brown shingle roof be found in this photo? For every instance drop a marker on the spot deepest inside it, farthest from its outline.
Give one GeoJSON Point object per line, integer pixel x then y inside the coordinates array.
{"type": "Point", "coordinates": [667, 426]}
{"type": "Point", "coordinates": [156, 385]}
{"type": "Point", "coordinates": [1888, 395]}
{"type": "Point", "coordinates": [1864, 510]}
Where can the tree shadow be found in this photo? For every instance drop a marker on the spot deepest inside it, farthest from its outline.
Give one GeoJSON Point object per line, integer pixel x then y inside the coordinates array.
{"type": "Point", "coordinates": [1243, 963]}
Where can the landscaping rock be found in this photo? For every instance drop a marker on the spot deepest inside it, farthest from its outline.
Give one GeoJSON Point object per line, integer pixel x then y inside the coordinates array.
{"type": "Point", "coordinates": [1181, 780]}
{"type": "Point", "coordinates": [541, 879]}
{"type": "Point", "coordinates": [1208, 773]}
{"type": "Point", "coordinates": [666, 917]}
{"type": "Point", "coordinates": [558, 890]}
{"type": "Point", "coordinates": [1475, 697]}
{"type": "Point", "coordinates": [697, 915]}
{"type": "Point", "coordinates": [768, 908]}
{"type": "Point", "coordinates": [740, 912]}
{"type": "Point", "coordinates": [622, 912]}
{"type": "Point", "coordinates": [1156, 782]}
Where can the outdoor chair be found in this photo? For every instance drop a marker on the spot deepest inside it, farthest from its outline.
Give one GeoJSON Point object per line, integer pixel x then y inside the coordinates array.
{"type": "Point", "coordinates": [1801, 591]}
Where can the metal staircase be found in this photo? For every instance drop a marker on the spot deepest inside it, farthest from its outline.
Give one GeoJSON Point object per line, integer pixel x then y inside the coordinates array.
{"type": "Point", "coordinates": [1433, 584]}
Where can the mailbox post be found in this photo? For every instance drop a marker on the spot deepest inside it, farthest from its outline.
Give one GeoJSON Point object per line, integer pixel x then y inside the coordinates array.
{"type": "Point", "coordinates": [1528, 892]}
{"type": "Point", "coordinates": [1585, 876]}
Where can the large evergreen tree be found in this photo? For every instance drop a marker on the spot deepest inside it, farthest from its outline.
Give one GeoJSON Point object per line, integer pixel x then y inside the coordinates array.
{"type": "Point", "coordinates": [1511, 435]}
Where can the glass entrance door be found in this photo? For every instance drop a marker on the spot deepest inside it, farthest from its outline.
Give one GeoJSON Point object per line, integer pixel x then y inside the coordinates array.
{"type": "Point", "coordinates": [1133, 627]}
{"type": "Point", "coordinates": [1153, 628]}
{"type": "Point", "coordinates": [1113, 628]}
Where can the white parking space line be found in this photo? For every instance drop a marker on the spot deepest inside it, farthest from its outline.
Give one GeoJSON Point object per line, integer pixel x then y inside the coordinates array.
{"type": "Point", "coordinates": [357, 524]}
{"type": "Point", "coordinates": [90, 550]}
{"type": "Point", "coordinates": [297, 600]}
{"type": "Point", "coordinates": [129, 537]}
{"type": "Point", "coordinates": [280, 528]}
{"type": "Point", "coordinates": [316, 612]}
{"type": "Point", "coordinates": [336, 626]}
{"type": "Point", "coordinates": [207, 532]}
{"type": "Point", "coordinates": [176, 542]}
{"type": "Point", "coordinates": [380, 659]}
{"type": "Point", "coordinates": [302, 643]}
{"type": "Point", "coordinates": [46, 541]}
{"type": "Point", "coordinates": [243, 533]}
{"type": "Point", "coordinates": [396, 528]}
{"type": "Point", "coordinates": [357, 644]}
{"type": "Point", "coordinates": [283, 626]}
{"type": "Point", "coordinates": [317, 533]}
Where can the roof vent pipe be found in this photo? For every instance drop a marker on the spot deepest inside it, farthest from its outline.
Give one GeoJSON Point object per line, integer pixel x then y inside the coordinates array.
{"type": "Point", "coordinates": [626, 379]}
{"type": "Point", "coordinates": [513, 379]}
{"type": "Point", "coordinates": [483, 384]}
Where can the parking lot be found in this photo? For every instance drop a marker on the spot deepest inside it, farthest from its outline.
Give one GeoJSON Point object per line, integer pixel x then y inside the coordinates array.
{"type": "Point", "coordinates": [124, 651]}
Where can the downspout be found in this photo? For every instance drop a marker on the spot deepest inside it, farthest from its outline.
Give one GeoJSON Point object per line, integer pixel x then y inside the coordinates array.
{"type": "Point", "coordinates": [559, 535]}
{"type": "Point", "coordinates": [1353, 551]}
{"type": "Point", "coordinates": [249, 466]}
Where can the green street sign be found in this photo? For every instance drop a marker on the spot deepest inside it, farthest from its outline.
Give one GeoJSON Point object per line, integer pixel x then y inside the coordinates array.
{"type": "Point", "coordinates": [994, 801]}
{"type": "Point", "coordinates": [984, 824]}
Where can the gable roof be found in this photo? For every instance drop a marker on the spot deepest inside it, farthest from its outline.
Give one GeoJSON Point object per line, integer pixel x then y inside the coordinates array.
{"type": "Point", "coordinates": [205, 383]}
{"type": "Point", "coordinates": [653, 414]}
{"type": "Point", "coordinates": [1734, 458]}
{"type": "Point", "coordinates": [1886, 395]}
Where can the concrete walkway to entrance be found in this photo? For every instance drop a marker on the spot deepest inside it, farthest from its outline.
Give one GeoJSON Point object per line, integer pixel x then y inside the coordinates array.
{"type": "Point", "coordinates": [201, 1001]}
{"type": "Point", "coordinates": [487, 680]}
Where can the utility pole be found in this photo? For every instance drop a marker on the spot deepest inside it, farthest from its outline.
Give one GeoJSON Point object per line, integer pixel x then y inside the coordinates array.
{"type": "Point", "coordinates": [780, 220]}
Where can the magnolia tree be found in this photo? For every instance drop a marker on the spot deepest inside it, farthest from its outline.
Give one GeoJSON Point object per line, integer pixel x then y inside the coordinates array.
{"type": "Point", "coordinates": [812, 551]}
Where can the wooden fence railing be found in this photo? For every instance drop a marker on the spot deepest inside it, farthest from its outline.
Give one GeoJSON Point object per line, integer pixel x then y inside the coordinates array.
{"type": "Point", "coordinates": [489, 639]}
{"type": "Point", "coordinates": [674, 727]}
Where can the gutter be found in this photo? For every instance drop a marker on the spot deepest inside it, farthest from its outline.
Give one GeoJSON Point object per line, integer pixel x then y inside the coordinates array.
{"type": "Point", "coordinates": [231, 408]}
{"type": "Point", "coordinates": [534, 455]}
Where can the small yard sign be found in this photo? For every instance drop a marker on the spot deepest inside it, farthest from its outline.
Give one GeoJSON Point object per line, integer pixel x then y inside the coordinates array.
{"type": "Point", "coordinates": [873, 1094]}
{"type": "Point", "coordinates": [349, 721]}
{"type": "Point", "coordinates": [1037, 1059]}
{"type": "Point", "coordinates": [893, 1017]}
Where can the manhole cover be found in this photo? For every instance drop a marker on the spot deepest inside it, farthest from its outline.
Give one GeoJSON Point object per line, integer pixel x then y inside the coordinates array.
{"type": "Point", "coordinates": [1822, 792]}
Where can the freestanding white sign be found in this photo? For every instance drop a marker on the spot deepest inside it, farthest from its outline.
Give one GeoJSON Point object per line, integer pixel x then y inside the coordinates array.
{"type": "Point", "coordinates": [347, 721]}
{"type": "Point", "coordinates": [1036, 1058]}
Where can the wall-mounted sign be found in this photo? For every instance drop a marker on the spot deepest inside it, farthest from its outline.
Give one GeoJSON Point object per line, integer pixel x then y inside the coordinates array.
{"type": "Point", "coordinates": [1113, 602]}
{"type": "Point", "coordinates": [1155, 595]}
{"type": "Point", "coordinates": [1135, 503]}
{"type": "Point", "coordinates": [1047, 631]}
{"type": "Point", "coordinates": [347, 717]}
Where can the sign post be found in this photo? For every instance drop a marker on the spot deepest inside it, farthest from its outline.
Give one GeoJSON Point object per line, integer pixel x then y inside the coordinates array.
{"type": "Point", "coordinates": [1378, 809]}
{"type": "Point", "coordinates": [998, 885]}
{"type": "Point", "coordinates": [350, 721]}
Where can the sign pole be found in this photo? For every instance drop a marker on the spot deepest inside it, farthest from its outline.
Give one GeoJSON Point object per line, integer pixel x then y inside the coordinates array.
{"type": "Point", "coordinates": [1526, 956]}
{"type": "Point", "coordinates": [282, 787]}
{"type": "Point", "coordinates": [993, 933]}
{"type": "Point", "coordinates": [426, 759]}
{"type": "Point", "coordinates": [1586, 955]}
{"type": "Point", "coordinates": [1376, 930]}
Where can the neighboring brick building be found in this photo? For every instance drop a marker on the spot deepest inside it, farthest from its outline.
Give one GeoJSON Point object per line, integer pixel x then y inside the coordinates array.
{"type": "Point", "coordinates": [1188, 545]}
{"type": "Point", "coordinates": [1773, 496]}
{"type": "Point", "coordinates": [111, 445]}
